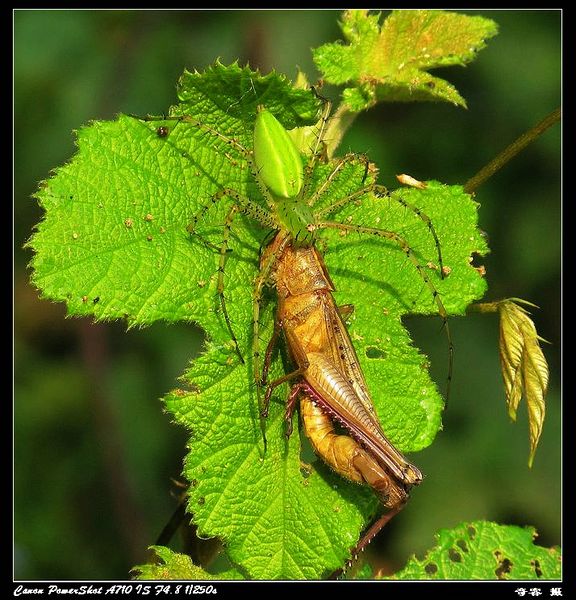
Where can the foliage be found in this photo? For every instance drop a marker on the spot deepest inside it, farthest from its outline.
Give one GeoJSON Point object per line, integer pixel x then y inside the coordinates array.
{"type": "Point", "coordinates": [483, 550]}
{"type": "Point", "coordinates": [114, 244]}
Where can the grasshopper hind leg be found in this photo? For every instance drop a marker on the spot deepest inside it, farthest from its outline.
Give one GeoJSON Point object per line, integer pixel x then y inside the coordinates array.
{"type": "Point", "coordinates": [369, 534]}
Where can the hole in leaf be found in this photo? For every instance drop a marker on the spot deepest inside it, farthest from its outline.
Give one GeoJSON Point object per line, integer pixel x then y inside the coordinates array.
{"type": "Point", "coordinates": [454, 555]}
{"type": "Point", "coordinates": [504, 565]}
{"type": "Point", "coordinates": [431, 568]}
{"type": "Point", "coordinates": [462, 545]}
{"type": "Point", "coordinates": [471, 532]}
{"type": "Point", "coordinates": [536, 566]}
{"type": "Point", "coordinates": [373, 352]}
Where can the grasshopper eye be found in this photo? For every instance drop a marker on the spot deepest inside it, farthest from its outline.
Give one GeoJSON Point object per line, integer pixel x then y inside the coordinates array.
{"type": "Point", "coordinates": [276, 157]}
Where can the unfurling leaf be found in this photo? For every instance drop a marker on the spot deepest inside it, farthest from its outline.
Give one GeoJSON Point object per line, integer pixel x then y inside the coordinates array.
{"type": "Point", "coordinates": [391, 62]}
{"type": "Point", "coordinates": [524, 366]}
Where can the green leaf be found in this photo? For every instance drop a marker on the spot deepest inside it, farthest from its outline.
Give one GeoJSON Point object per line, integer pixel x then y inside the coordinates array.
{"type": "Point", "coordinates": [391, 63]}
{"type": "Point", "coordinates": [113, 242]}
{"type": "Point", "coordinates": [115, 230]}
{"type": "Point", "coordinates": [174, 566]}
{"type": "Point", "coordinates": [484, 550]}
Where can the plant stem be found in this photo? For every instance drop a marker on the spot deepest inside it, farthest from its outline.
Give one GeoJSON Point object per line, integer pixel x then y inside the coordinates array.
{"type": "Point", "coordinates": [483, 307]}
{"type": "Point", "coordinates": [508, 153]}
{"type": "Point", "coordinates": [337, 127]}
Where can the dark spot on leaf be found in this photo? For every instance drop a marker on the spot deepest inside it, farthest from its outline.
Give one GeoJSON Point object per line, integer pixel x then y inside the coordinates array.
{"type": "Point", "coordinates": [471, 532]}
{"type": "Point", "coordinates": [194, 483]}
{"type": "Point", "coordinates": [504, 565]}
{"type": "Point", "coordinates": [372, 352]}
{"type": "Point", "coordinates": [201, 500]}
{"type": "Point", "coordinates": [504, 568]}
{"type": "Point", "coordinates": [454, 555]}
{"type": "Point", "coordinates": [96, 300]}
{"type": "Point", "coordinates": [462, 545]}
{"type": "Point", "coordinates": [431, 568]}
{"type": "Point", "coordinates": [536, 566]}
{"type": "Point", "coordinates": [162, 131]}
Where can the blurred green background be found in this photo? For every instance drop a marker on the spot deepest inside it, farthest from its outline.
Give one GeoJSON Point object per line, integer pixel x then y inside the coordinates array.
{"type": "Point", "coordinates": [95, 456]}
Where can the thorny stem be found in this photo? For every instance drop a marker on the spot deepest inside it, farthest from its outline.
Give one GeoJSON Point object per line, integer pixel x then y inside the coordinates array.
{"type": "Point", "coordinates": [511, 151]}
{"type": "Point", "coordinates": [201, 551]}
{"type": "Point", "coordinates": [173, 524]}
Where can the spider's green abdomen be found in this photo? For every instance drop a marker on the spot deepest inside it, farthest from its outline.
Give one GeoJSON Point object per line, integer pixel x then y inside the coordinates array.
{"type": "Point", "coordinates": [276, 157]}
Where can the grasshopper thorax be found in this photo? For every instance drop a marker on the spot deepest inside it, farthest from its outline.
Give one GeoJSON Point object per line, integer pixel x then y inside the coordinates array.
{"type": "Point", "coordinates": [296, 270]}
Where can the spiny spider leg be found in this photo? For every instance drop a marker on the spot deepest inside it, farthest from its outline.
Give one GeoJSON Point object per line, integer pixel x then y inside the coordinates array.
{"type": "Point", "coordinates": [316, 151]}
{"type": "Point", "coordinates": [342, 162]}
{"type": "Point", "coordinates": [393, 236]}
{"type": "Point", "coordinates": [224, 251]}
{"type": "Point", "coordinates": [381, 191]}
{"type": "Point", "coordinates": [229, 141]}
{"type": "Point", "coordinates": [259, 284]}
{"type": "Point", "coordinates": [243, 205]}
{"type": "Point", "coordinates": [377, 189]}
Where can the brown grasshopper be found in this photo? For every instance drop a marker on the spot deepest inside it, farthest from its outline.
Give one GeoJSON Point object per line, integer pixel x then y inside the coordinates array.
{"type": "Point", "coordinates": [331, 385]}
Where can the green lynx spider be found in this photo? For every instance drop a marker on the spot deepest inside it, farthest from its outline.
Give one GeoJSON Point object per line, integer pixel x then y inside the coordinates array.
{"type": "Point", "coordinates": [285, 184]}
